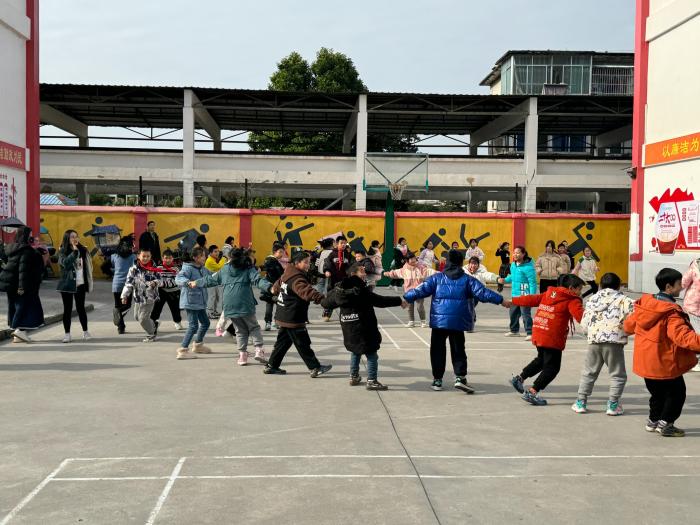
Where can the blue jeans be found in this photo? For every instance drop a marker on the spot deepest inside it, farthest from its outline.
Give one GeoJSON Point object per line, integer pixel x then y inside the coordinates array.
{"type": "Point", "coordinates": [372, 365]}
{"type": "Point", "coordinates": [515, 313]}
{"type": "Point", "coordinates": [197, 322]}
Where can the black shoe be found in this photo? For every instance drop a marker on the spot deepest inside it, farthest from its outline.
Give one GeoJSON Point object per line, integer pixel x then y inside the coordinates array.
{"type": "Point", "coordinates": [116, 316]}
{"type": "Point", "coordinates": [273, 371]}
{"type": "Point", "coordinates": [669, 430]}
{"type": "Point", "coordinates": [355, 380]}
{"type": "Point", "coordinates": [121, 329]}
{"type": "Point", "coordinates": [437, 385]}
{"type": "Point", "coordinates": [373, 384]}
{"type": "Point", "coordinates": [156, 324]}
{"type": "Point", "coordinates": [320, 370]}
{"type": "Point", "coordinates": [461, 384]}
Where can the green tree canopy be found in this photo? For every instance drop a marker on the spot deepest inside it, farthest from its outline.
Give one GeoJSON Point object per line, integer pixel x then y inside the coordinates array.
{"type": "Point", "coordinates": [331, 72]}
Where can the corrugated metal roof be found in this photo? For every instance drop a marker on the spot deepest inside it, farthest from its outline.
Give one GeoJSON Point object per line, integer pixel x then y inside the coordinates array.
{"type": "Point", "coordinates": [56, 199]}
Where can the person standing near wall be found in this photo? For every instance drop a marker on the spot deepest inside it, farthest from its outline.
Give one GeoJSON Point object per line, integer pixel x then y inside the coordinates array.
{"type": "Point", "coordinates": [150, 241]}
{"type": "Point", "coordinates": [474, 251]}
{"type": "Point", "coordinates": [75, 281]}
{"type": "Point", "coordinates": [504, 270]}
{"type": "Point", "coordinates": [20, 279]}
{"type": "Point", "coordinates": [122, 261]}
{"type": "Point", "coordinates": [227, 246]}
{"type": "Point", "coordinates": [586, 269]}
{"type": "Point", "coordinates": [691, 300]}
{"type": "Point", "coordinates": [523, 280]}
{"type": "Point", "coordinates": [549, 267]}
{"type": "Point", "coordinates": [564, 256]}
{"type": "Point", "coordinates": [427, 257]}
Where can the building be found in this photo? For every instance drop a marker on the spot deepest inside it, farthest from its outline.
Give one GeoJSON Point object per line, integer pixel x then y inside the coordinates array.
{"type": "Point", "coordinates": [19, 111]}
{"type": "Point", "coordinates": [664, 222]}
{"type": "Point", "coordinates": [529, 72]}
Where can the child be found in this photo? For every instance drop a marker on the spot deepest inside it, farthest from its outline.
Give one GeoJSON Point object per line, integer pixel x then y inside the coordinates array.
{"type": "Point", "coordinates": [413, 275]}
{"type": "Point", "coordinates": [362, 259]}
{"type": "Point", "coordinates": [603, 318]}
{"type": "Point", "coordinates": [664, 347]}
{"type": "Point", "coordinates": [523, 280]}
{"type": "Point", "coordinates": [273, 271]}
{"type": "Point", "coordinates": [557, 307]}
{"type": "Point", "coordinates": [359, 323]}
{"type": "Point", "coordinates": [691, 300]}
{"type": "Point", "coordinates": [214, 263]}
{"type": "Point", "coordinates": [427, 256]}
{"type": "Point", "coordinates": [479, 272]}
{"type": "Point", "coordinates": [143, 281]}
{"type": "Point", "coordinates": [474, 251]}
{"type": "Point", "coordinates": [122, 261]}
{"type": "Point", "coordinates": [334, 268]}
{"type": "Point", "coordinates": [451, 313]}
{"type": "Point", "coordinates": [194, 302]}
{"type": "Point", "coordinates": [586, 268]}
{"type": "Point", "coordinates": [169, 295]}
{"type": "Point", "coordinates": [238, 278]}
{"type": "Point", "coordinates": [376, 257]}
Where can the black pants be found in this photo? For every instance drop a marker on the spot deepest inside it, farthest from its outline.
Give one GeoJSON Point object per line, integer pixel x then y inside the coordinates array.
{"type": "Point", "coordinates": [79, 306]}
{"type": "Point", "coordinates": [667, 398]}
{"type": "Point", "coordinates": [438, 351]}
{"type": "Point", "coordinates": [269, 309]}
{"type": "Point", "coordinates": [547, 364]}
{"type": "Point", "coordinates": [173, 301]}
{"type": "Point", "coordinates": [593, 289]}
{"type": "Point", "coordinates": [120, 308]}
{"type": "Point", "coordinates": [546, 283]}
{"type": "Point", "coordinates": [299, 337]}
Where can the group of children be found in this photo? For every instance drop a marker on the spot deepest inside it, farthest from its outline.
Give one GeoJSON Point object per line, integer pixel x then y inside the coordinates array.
{"type": "Point", "coordinates": [665, 342]}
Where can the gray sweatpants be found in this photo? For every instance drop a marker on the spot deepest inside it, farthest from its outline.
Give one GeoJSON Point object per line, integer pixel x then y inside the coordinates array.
{"type": "Point", "coordinates": [142, 313]}
{"type": "Point", "coordinates": [247, 327]}
{"type": "Point", "coordinates": [610, 354]}
{"type": "Point", "coordinates": [421, 310]}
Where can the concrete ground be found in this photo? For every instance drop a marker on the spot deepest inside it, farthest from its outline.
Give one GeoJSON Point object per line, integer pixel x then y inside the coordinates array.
{"type": "Point", "coordinates": [117, 431]}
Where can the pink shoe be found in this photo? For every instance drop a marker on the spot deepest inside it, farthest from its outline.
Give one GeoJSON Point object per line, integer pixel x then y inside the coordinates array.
{"type": "Point", "coordinates": [219, 332]}
{"type": "Point", "coordinates": [243, 358]}
{"type": "Point", "coordinates": [260, 355]}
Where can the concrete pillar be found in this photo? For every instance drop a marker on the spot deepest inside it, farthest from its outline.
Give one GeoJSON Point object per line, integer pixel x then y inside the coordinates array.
{"type": "Point", "coordinates": [188, 150]}
{"type": "Point", "coordinates": [529, 204]}
{"type": "Point", "coordinates": [596, 202]}
{"type": "Point", "coordinates": [83, 195]}
{"type": "Point", "coordinates": [360, 150]}
{"type": "Point", "coordinates": [216, 194]}
{"type": "Point", "coordinates": [83, 142]}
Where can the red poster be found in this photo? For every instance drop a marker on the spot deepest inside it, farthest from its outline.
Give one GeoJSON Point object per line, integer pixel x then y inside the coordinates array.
{"type": "Point", "coordinates": [12, 156]}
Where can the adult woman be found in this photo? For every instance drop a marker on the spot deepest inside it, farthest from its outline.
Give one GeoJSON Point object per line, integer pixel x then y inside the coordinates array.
{"type": "Point", "coordinates": [20, 279]}
{"type": "Point", "coordinates": [691, 301]}
{"type": "Point", "coordinates": [122, 260]}
{"type": "Point", "coordinates": [523, 279]}
{"type": "Point", "coordinates": [549, 267]}
{"type": "Point", "coordinates": [400, 252]}
{"type": "Point", "coordinates": [586, 268]}
{"type": "Point", "coordinates": [76, 280]}
{"type": "Point", "coordinates": [427, 257]}
{"type": "Point", "coordinates": [504, 270]}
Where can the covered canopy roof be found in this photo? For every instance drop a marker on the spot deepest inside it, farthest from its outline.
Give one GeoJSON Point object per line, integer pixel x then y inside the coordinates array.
{"type": "Point", "coordinates": [388, 113]}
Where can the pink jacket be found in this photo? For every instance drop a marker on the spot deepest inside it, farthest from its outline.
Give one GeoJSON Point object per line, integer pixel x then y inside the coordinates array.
{"type": "Point", "coordinates": [412, 275]}
{"type": "Point", "coordinates": [691, 283]}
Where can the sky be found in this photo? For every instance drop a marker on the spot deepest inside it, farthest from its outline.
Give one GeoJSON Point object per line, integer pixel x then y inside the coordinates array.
{"type": "Point", "coordinates": [432, 46]}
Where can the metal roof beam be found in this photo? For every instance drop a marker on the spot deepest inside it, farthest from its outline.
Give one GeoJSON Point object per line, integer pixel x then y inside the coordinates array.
{"type": "Point", "coordinates": [612, 137]}
{"type": "Point", "coordinates": [204, 119]}
{"type": "Point", "coordinates": [499, 126]}
{"type": "Point", "coordinates": [54, 117]}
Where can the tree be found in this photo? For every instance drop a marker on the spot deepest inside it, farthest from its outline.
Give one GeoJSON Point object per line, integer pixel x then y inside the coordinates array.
{"type": "Point", "coordinates": [331, 72]}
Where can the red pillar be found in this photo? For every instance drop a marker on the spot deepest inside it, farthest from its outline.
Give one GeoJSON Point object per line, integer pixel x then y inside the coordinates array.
{"type": "Point", "coordinates": [245, 236]}
{"type": "Point", "coordinates": [519, 220]}
{"type": "Point", "coordinates": [32, 117]}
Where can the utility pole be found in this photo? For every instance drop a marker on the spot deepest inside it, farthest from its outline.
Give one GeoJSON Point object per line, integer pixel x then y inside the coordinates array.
{"type": "Point", "coordinates": [245, 193]}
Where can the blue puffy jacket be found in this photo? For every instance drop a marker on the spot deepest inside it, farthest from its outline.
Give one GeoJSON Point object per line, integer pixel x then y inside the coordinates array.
{"type": "Point", "coordinates": [523, 278]}
{"type": "Point", "coordinates": [453, 292]}
{"type": "Point", "coordinates": [192, 298]}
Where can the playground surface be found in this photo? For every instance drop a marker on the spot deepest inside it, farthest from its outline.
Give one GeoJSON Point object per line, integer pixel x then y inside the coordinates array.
{"type": "Point", "coordinates": [117, 431]}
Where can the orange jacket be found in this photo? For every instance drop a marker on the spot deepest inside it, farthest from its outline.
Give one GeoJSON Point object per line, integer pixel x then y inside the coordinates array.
{"type": "Point", "coordinates": [664, 343]}
{"type": "Point", "coordinates": [557, 306]}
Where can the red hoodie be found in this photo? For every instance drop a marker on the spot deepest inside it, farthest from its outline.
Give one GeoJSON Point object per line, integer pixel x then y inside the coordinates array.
{"type": "Point", "coordinates": [556, 308]}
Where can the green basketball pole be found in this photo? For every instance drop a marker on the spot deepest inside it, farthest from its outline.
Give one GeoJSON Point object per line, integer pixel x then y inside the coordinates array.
{"type": "Point", "coordinates": [389, 221]}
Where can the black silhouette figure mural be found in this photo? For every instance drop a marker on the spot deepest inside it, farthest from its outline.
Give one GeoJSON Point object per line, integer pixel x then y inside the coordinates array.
{"type": "Point", "coordinates": [292, 235]}
{"type": "Point", "coordinates": [188, 238]}
{"type": "Point", "coordinates": [580, 243]}
{"type": "Point", "coordinates": [439, 242]}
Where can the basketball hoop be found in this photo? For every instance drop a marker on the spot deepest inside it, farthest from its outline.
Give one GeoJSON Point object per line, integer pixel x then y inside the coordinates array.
{"type": "Point", "coordinates": [396, 189]}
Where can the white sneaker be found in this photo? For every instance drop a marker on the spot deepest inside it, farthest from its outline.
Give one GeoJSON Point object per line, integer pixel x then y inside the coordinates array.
{"type": "Point", "coordinates": [410, 324]}
{"type": "Point", "coordinates": [528, 338]}
{"type": "Point", "coordinates": [423, 324]}
{"type": "Point", "coordinates": [178, 326]}
{"type": "Point", "coordinates": [696, 368]}
{"type": "Point", "coordinates": [86, 336]}
{"type": "Point", "coordinates": [22, 335]}
{"type": "Point", "coordinates": [67, 338]}
{"type": "Point", "coordinates": [512, 334]}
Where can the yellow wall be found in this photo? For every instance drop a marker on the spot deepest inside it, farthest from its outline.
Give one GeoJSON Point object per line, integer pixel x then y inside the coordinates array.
{"type": "Point", "coordinates": [57, 222]}
{"type": "Point", "coordinates": [269, 228]}
{"type": "Point", "coordinates": [176, 227]}
{"type": "Point", "coordinates": [607, 237]}
{"type": "Point", "coordinates": [449, 229]}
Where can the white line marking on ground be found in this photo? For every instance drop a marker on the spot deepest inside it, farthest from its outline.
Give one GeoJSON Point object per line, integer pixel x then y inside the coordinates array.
{"type": "Point", "coordinates": [125, 478]}
{"type": "Point", "coordinates": [313, 456]}
{"type": "Point", "coordinates": [558, 457]}
{"type": "Point", "coordinates": [29, 497]}
{"type": "Point", "coordinates": [410, 329]}
{"type": "Point", "coordinates": [396, 345]}
{"type": "Point", "coordinates": [123, 458]}
{"type": "Point", "coordinates": [166, 492]}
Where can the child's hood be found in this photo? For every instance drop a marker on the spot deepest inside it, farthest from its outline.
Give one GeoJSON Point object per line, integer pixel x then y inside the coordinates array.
{"type": "Point", "coordinates": [559, 294]}
{"type": "Point", "coordinates": [349, 290]}
{"type": "Point", "coordinates": [605, 299]}
{"type": "Point", "coordinates": [649, 311]}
